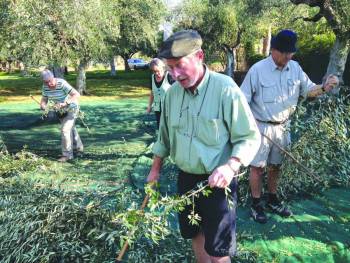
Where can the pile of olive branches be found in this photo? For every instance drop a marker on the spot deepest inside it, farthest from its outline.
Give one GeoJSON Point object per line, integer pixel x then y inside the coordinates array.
{"type": "Point", "coordinates": [19, 163]}
{"type": "Point", "coordinates": [47, 225]}
{"type": "Point", "coordinates": [52, 107]}
{"type": "Point", "coordinates": [322, 143]}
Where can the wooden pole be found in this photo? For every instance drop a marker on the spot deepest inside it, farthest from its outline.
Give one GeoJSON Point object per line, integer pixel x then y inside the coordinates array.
{"type": "Point", "coordinates": [307, 170]}
{"type": "Point", "coordinates": [126, 244]}
{"type": "Point", "coordinates": [35, 99]}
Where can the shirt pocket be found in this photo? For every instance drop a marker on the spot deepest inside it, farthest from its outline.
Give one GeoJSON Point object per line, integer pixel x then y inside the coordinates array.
{"type": "Point", "coordinates": [293, 88]}
{"type": "Point", "coordinates": [211, 131]}
{"type": "Point", "coordinates": [268, 93]}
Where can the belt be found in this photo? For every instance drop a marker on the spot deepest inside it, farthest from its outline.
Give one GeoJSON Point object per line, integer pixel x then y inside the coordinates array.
{"type": "Point", "coordinates": [273, 122]}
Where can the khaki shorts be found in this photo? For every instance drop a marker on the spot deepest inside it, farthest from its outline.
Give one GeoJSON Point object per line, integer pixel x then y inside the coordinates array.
{"type": "Point", "coordinates": [268, 152]}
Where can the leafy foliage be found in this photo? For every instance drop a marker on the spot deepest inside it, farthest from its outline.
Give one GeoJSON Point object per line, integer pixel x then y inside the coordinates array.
{"type": "Point", "coordinates": [19, 163]}
{"type": "Point", "coordinates": [323, 144]}
{"type": "Point", "coordinates": [46, 225]}
{"type": "Point", "coordinates": [139, 22]}
{"type": "Point", "coordinates": [41, 32]}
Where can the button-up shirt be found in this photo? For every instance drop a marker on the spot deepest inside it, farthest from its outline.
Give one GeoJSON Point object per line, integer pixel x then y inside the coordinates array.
{"type": "Point", "coordinates": [273, 93]}
{"type": "Point", "coordinates": [202, 130]}
{"type": "Point", "coordinates": [159, 92]}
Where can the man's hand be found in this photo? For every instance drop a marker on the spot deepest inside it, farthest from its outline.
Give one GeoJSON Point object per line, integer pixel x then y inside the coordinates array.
{"type": "Point", "coordinates": [221, 177]}
{"type": "Point", "coordinates": [61, 105]}
{"type": "Point", "coordinates": [148, 109]}
{"type": "Point", "coordinates": [43, 107]}
{"type": "Point", "coordinates": [154, 174]}
{"type": "Point", "coordinates": [331, 82]}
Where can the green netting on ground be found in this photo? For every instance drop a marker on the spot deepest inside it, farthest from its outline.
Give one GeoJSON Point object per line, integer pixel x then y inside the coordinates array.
{"type": "Point", "coordinates": [117, 156]}
{"type": "Point", "coordinates": [319, 230]}
{"type": "Point", "coordinates": [119, 133]}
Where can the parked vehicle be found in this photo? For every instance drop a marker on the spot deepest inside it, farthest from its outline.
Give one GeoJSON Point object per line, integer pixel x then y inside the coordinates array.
{"type": "Point", "coordinates": [137, 63]}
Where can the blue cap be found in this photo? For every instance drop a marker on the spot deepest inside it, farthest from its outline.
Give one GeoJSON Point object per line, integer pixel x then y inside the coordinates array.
{"type": "Point", "coordinates": [285, 41]}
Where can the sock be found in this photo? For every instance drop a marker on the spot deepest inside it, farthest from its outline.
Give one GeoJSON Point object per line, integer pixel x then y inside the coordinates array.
{"type": "Point", "coordinates": [273, 198]}
{"type": "Point", "coordinates": [256, 201]}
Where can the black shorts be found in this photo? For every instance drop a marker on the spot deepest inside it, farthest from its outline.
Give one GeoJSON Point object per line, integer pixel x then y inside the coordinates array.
{"type": "Point", "coordinates": [157, 113]}
{"type": "Point", "coordinates": [218, 222]}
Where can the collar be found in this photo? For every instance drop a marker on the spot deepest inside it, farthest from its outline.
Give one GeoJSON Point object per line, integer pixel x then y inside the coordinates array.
{"type": "Point", "coordinates": [202, 86]}
{"type": "Point", "coordinates": [273, 65]}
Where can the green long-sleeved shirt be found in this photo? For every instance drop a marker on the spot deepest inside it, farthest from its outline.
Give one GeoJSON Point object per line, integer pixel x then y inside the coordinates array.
{"type": "Point", "coordinates": [201, 131]}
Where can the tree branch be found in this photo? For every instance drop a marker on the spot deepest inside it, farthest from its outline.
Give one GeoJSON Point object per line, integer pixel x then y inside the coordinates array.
{"type": "Point", "coordinates": [239, 37]}
{"type": "Point", "coordinates": [311, 3]}
{"type": "Point", "coordinates": [315, 18]}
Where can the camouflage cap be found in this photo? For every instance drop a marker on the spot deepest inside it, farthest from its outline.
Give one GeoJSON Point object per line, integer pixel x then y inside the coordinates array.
{"type": "Point", "coordinates": [180, 44]}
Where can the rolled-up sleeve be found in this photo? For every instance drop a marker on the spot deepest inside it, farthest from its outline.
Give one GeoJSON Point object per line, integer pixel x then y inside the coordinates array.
{"type": "Point", "coordinates": [244, 134]}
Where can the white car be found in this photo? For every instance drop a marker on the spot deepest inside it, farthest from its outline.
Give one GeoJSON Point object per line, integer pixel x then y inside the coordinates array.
{"type": "Point", "coordinates": [137, 63]}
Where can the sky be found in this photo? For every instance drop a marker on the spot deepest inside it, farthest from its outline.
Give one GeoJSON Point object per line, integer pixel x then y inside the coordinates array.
{"type": "Point", "coordinates": [172, 3]}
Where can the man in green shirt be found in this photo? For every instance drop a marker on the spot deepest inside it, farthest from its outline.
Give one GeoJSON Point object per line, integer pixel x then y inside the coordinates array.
{"type": "Point", "coordinates": [208, 130]}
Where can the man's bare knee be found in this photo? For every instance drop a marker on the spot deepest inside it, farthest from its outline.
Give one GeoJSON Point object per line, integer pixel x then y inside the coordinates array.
{"type": "Point", "coordinates": [274, 168]}
{"type": "Point", "coordinates": [256, 171]}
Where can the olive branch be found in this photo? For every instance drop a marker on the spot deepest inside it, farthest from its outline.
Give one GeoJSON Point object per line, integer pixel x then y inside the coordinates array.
{"type": "Point", "coordinates": [152, 223]}
{"type": "Point", "coordinates": [51, 106]}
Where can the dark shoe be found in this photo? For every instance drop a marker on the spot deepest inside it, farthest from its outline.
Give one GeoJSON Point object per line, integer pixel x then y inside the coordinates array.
{"type": "Point", "coordinates": [79, 154]}
{"type": "Point", "coordinates": [258, 214]}
{"type": "Point", "coordinates": [279, 209]}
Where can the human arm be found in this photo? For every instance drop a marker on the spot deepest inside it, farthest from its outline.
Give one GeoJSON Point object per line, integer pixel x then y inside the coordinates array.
{"type": "Point", "coordinates": [73, 98]}
{"type": "Point", "coordinates": [43, 102]}
{"type": "Point", "coordinates": [248, 86]}
{"type": "Point", "coordinates": [150, 102]}
{"type": "Point", "coordinates": [154, 173]}
{"type": "Point", "coordinates": [223, 175]}
{"type": "Point", "coordinates": [331, 82]}
{"type": "Point", "coordinates": [244, 136]}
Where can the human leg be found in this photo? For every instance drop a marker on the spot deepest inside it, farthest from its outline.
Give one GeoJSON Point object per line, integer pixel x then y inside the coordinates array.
{"type": "Point", "coordinates": [67, 124]}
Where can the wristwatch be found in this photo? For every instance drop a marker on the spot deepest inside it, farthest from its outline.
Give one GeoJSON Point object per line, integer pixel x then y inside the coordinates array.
{"type": "Point", "coordinates": [234, 164]}
{"type": "Point", "coordinates": [323, 89]}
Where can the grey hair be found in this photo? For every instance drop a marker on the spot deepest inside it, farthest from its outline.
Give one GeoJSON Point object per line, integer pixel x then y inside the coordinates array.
{"type": "Point", "coordinates": [47, 75]}
{"type": "Point", "coordinates": [156, 62]}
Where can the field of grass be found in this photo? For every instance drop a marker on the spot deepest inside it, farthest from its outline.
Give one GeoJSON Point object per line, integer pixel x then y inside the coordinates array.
{"type": "Point", "coordinates": [63, 212]}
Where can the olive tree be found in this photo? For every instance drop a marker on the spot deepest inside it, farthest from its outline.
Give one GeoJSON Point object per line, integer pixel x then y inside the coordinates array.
{"type": "Point", "coordinates": [336, 13]}
{"type": "Point", "coordinates": [54, 33]}
{"type": "Point", "coordinates": [222, 24]}
{"type": "Point", "coordinates": [139, 26]}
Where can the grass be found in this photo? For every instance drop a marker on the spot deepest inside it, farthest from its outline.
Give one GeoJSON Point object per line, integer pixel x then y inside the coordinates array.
{"type": "Point", "coordinates": [120, 135]}
{"type": "Point", "coordinates": [132, 84]}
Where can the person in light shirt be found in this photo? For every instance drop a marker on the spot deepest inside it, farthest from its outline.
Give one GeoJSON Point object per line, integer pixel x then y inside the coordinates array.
{"type": "Point", "coordinates": [160, 83]}
{"type": "Point", "coordinates": [272, 87]}
{"type": "Point", "coordinates": [208, 130]}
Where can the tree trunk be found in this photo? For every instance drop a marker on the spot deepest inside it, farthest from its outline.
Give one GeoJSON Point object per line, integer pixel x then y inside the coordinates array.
{"type": "Point", "coordinates": [337, 60]}
{"type": "Point", "coordinates": [126, 65]}
{"type": "Point", "coordinates": [81, 78]}
{"type": "Point", "coordinates": [230, 62]}
{"type": "Point", "coordinates": [58, 72]}
{"type": "Point", "coordinates": [24, 71]}
{"type": "Point", "coordinates": [112, 63]}
{"type": "Point", "coordinates": [9, 67]}
{"type": "Point", "coordinates": [267, 43]}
